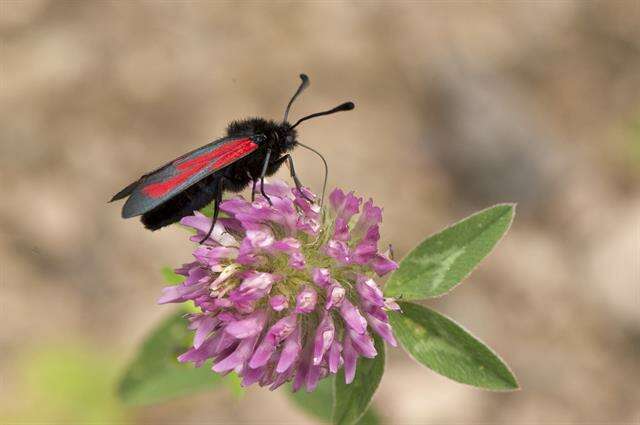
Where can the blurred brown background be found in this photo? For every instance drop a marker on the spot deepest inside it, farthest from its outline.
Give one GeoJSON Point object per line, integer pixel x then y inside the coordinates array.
{"type": "Point", "coordinates": [459, 105]}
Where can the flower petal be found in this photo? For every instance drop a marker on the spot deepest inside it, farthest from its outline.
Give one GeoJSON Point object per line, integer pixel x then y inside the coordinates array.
{"type": "Point", "coordinates": [237, 357]}
{"type": "Point", "coordinates": [335, 296]}
{"type": "Point", "coordinates": [363, 344]}
{"type": "Point", "coordinates": [369, 290]}
{"type": "Point", "coordinates": [344, 206]}
{"type": "Point", "coordinates": [321, 276]}
{"type": "Point", "coordinates": [204, 326]}
{"type": "Point", "coordinates": [341, 230]}
{"type": "Point", "coordinates": [350, 357]}
{"type": "Point", "coordinates": [382, 265]}
{"type": "Point", "coordinates": [371, 216]}
{"type": "Point", "coordinates": [202, 224]}
{"type": "Point", "coordinates": [278, 302]}
{"type": "Point", "coordinates": [248, 327]}
{"type": "Point", "coordinates": [290, 351]}
{"type": "Point", "coordinates": [383, 329]}
{"type": "Point", "coordinates": [334, 356]}
{"type": "Point", "coordinates": [323, 339]}
{"type": "Point", "coordinates": [306, 300]}
{"type": "Point", "coordinates": [352, 317]}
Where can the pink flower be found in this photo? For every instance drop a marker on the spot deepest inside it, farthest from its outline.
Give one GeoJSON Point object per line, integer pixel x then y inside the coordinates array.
{"type": "Point", "coordinates": [264, 310]}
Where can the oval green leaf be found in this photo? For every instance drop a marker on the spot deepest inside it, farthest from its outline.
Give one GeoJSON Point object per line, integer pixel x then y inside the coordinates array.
{"type": "Point", "coordinates": [155, 375]}
{"type": "Point", "coordinates": [443, 260]}
{"type": "Point", "coordinates": [445, 347]}
{"type": "Point", "coordinates": [319, 403]}
{"type": "Point", "coordinates": [351, 401]}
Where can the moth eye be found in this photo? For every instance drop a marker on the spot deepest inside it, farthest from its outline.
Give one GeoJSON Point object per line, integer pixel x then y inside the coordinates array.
{"type": "Point", "coordinates": [289, 139]}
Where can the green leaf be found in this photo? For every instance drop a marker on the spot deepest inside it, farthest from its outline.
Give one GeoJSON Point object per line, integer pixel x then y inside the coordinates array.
{"type": "Point", "coordinates": [442, 345]}
{"type": "Point", "coordinates": [155, 375]}
{"type": "Point", "coordinates": [234, 383]}
{"type": "Point", "coordinates": [170, 276]}
{"type": "Point", "coordinates": [351, 401]}
{"type": "Point", "coordinates": [319, 403]}
{"type": "Point", "coordinates": [207, 210]}
{"type": "Point", "coordinates": [441, 261]}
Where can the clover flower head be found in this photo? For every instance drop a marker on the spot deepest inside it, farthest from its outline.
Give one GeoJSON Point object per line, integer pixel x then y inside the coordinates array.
{"type": "Point", "coordinates": [286, 291]}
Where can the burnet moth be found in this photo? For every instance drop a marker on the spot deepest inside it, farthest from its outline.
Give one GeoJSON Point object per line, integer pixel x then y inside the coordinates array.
{"type": "Point", "coordinates": [252, 149]}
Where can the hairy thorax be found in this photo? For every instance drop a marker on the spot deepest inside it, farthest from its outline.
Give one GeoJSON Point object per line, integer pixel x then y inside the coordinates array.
{"type": "Point", "coordinates": [280, 139]}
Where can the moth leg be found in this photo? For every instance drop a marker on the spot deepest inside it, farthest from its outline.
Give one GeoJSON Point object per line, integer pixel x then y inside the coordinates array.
{"type": "Point", "coordinates": [216, 210]}
{"type": "Point", "coordinates": [294, 176]}
{"type": "Point", "coordinates": [253, 187]}
{"type": "Point", "coordinates": [265, 165]}
{"type": "Point", "coordinates": [253, 190]}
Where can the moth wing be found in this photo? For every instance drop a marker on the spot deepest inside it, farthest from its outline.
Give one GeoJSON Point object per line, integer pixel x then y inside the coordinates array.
{"type": "Point", "coordinates": [129, 189]}
{"type": "Point", "coordinates": [164, 183]}
{"type": "Point", "coordinates": [126, 191]}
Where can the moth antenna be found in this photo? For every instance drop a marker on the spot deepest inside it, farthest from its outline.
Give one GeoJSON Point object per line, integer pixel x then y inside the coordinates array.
{"type": "Point", "coordinates": [347, 106]}
{"type": "Point", "coordinates": [326, 170]}
{"type": "Point", "coordinates": [303, 85]}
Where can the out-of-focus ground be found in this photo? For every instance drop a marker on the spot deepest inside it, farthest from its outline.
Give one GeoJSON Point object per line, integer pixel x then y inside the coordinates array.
{"type": "Point", "coordinates": [460, 105]}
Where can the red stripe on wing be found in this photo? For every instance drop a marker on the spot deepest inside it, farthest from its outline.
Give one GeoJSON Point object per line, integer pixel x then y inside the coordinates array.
{"type": "Point", "coordinates": [228, 157]}
{"type": "Point", "coordinates": [223, 156]}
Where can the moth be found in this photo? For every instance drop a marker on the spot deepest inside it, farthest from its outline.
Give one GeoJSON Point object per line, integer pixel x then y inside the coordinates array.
{"type": "Point", "coordinates": [252, 149]}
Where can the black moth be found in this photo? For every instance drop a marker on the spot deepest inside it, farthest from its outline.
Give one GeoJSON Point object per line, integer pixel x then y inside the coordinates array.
{"type": "Point", "coordinates": [253, 148]}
